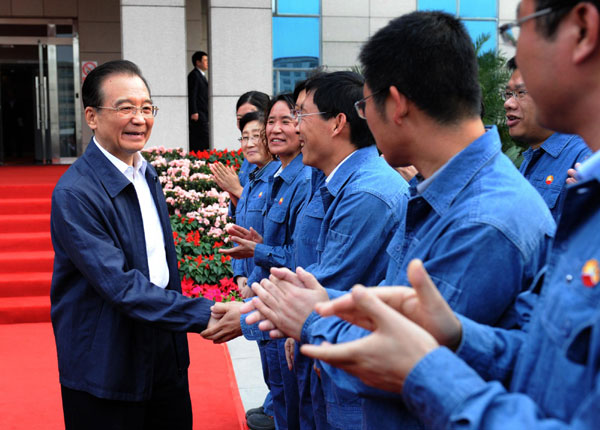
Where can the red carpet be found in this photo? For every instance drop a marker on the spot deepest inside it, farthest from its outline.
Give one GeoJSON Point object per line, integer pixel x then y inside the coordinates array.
{"type": "Point", "coordinates": [26, 254]}
{"type": "Point", "coordinates": [30, 393]}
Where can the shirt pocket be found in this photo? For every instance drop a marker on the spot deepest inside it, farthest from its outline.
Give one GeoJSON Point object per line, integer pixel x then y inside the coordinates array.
{"type": "Point", "coordinates": [275, 225]}
{"type": "Point", "coordinates": [337, 247]}
{"type": "Point", "coordinates": [575, 304]}
{"type": "Point", "coordinates": [549, 193]}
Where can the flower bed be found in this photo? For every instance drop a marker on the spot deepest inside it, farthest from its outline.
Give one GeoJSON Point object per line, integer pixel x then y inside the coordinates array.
{"type": "Point", "coordinates": [199, 214]}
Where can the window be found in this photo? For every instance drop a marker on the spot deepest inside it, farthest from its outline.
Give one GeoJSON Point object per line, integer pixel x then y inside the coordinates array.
{"type": "Point", "coordinates": [296, 41]}
{"type": "Point", "coordinates": [479, 17]}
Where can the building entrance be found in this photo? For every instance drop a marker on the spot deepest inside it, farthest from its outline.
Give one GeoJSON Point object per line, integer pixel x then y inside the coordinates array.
{"type": "Point", "coordinates": [40, 113]}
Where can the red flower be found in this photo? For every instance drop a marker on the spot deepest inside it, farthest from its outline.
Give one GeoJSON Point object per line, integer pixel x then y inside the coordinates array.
{"type": "Point", "coordinates": [211, 257]}
{"type": "Point", "coordinates": [218, 244]}
{"type": "Point", "coordinates": [225, 258]}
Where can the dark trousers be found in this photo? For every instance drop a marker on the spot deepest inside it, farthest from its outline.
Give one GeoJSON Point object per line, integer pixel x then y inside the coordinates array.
{"type": "Point", "coordinates": [198, 135]}
{"type": "Point", "coordinates": [169, 408]}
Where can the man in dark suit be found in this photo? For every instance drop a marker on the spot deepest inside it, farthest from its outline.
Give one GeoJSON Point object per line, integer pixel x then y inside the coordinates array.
{"type": "Point", "coordinates": [118, 315]}
{"type": "Point", "coordinates": [198, 102]}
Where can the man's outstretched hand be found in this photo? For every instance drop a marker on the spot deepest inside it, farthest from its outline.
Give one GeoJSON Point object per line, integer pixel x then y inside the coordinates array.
{"type": "Point", "coordinates": [406, 328]}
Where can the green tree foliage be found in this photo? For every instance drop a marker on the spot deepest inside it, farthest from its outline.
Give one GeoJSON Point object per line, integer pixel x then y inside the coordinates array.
{"type": "Point", "coordinates": [493, 76]}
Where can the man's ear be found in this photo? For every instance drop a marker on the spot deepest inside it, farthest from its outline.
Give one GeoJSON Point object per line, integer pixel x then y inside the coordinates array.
{"type": "Point", "coordinates": [586, 18]}
{"type": "Point", "coordinates": [399, 105]}
{"type": "Point", "coordinates": [340, 123]}
{"type": "Point", "coordinates": [91, 117]}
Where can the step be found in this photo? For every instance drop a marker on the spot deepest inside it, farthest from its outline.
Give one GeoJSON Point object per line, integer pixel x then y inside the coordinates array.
{"type": "Point", "coordinates": [34, 261]}
{"type": "Point", "coordinates": [15, 242]}
{"type": "Point", "coordinates": [19, 310]}
{"type": "Point", "coordinates": [24, 223]}
{"type": "Point", "coordinates": [20, 191]}
{"type": "Point", "coordinates": [25, 284]}
{"type": "Point", "coordinates": [25, 206]}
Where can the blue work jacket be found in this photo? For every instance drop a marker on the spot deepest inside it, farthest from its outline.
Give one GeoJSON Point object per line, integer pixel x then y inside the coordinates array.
{"type": "Point", "coordinates": [346, 226]}
{"type": "Point", "coordinates": [472, 228]}
{"type": "Point", "coordinates": [244, 173]}
{"type": "Point", "coordinates": [552, 368]}
{"type": "Point", "coordinates": [245, 169]}
{"type": "Point", "coordinates": [342, 233]}
{"type": "Point", "coordinates": [546, 167]}
{"type": "Point", "coordinates": [287, 193]}
{"type": "Point", "coordinates": [251, 209]}
{"type": "Point", "coordinates": [107, 317]}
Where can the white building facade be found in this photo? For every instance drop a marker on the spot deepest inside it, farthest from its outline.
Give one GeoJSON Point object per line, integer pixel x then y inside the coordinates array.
{"type": "Point", "coordinates": [48, 46]}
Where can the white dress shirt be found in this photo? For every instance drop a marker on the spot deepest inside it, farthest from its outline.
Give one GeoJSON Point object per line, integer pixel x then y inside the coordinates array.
{"type": "Point", "coordinates": [153, 233]}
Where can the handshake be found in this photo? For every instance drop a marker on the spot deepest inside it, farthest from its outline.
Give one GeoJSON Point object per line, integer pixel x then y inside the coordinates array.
{"type": "Point", "coordinates": [402, 322]}
{"type": "Point", "coordinates": [284, 302]}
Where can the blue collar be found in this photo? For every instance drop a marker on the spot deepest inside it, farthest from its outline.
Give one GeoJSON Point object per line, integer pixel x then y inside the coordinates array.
{"type": "Point", "coordinates": [113, 180]}
{"type": "Point", "coordinates": [264, 172]}
{"type": "Point", "coordinates": [289, 173]}
{"type": "Point", "coordinates": [554, 145]}
{"type": "Point", "coordinates": [349, 167]}
{"type": "Point", "coordinates": [460, 170]}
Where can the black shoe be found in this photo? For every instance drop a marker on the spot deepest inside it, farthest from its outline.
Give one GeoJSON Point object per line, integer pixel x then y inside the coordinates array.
{"type": "Point", "coordinates": [259, 410]}
{"type": "Point", "coordinates": [260, 422]}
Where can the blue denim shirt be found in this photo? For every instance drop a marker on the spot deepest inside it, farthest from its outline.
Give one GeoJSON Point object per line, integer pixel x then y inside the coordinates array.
{"type": "Point", "coordinates": [245, 169]}
{"type": "Point", "coordinates": [250, 210]}
{"type": "Point", "coordinates": [471, 227]}
{"type": "Point", "coordinates": [343, 231]}
{"type": "Point", "coordinates": [360, 210]}
{"type": "Point", "coordinates": [288, 192]}
{"type": "Point", "coordinates": [286, 195]}
{"type": "Point", "coordinates": [546, 167]}
{"type": "Point", "coordinates": [552, 369]}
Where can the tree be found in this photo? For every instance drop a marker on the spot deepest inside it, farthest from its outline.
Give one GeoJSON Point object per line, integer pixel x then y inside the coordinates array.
{"type": "Point", "coordinates": [493, 76]}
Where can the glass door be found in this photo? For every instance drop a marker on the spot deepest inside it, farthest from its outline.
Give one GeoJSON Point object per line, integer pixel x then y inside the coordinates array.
{"type": "Point", "coordinates": [44, 72]}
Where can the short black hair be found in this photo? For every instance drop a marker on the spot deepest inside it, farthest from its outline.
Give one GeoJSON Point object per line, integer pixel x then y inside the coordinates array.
{"type": "Point", "coordinates": [251, 116]}
{"type": "Point", "coordinates": [283, 97]}
{"type": "Point", "coordinates": [335, 93]}
{"type": "Point", "coordinates": [430, 58]}
{"type": "Point", "coordinates": [301, 85]}
{"type": "Point", "coordinates": [512, 64]}
{"type": "Point", "coordinates": [548, 24]}
{"type": "Point", "coordinates": [255, 98]}
{"type": "Point", "coordinates": [91, 91]}
{"type": "Point", "coordinates": [197, 56]}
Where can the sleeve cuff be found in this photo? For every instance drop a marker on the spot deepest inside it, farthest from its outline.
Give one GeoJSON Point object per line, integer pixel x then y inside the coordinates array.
{"type": "Point", "coordinates": [251, 331]}
{"type": "Point", "coordinates": [305, 335]}
{"type": "Point", "coordinates": [261, 254]}
{"type": "Point", "coordinates": [438, 385]}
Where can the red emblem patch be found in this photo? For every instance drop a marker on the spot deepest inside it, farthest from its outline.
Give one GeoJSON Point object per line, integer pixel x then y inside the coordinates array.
{"type": "Point", "coordinates": [549, 179]}
{"type": "Point", "coordinates": [590, 273]}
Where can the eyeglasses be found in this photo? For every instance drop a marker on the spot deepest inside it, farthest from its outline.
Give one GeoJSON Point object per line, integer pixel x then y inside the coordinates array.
{"type": "Point", "coordinates": [506, 30]}
{"type": "Point", "coordinates": [299, 115]}
{"type": "Point", "coordinates": [518, 94]}
{"type": "Point", "coordinates": [362, 103]}
{"type": "Point", "coordinates": [246, 139]}
{"type": "Point", "coordinates": [131, 111]}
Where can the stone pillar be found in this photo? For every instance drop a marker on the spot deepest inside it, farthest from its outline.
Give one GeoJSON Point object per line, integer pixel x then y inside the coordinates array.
{"type": "Point", "coordinates": [348, 24]}
{"type": "Point", "coordinates": [154, 37]}
{"type": "Point", "coordinates": [240, 59]}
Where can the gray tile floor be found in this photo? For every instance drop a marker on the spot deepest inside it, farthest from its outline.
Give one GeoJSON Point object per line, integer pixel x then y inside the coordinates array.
{"type": "Point", "coordinates": [248, 371]}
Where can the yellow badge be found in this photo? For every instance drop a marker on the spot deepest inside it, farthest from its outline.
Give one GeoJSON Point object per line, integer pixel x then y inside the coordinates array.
{"type": "Point", "coordinates": [281, 200]}
{"type": "Point", "coordinates": [260, 194]}
{"type": "Point", "coordinates": [590, 273]}
{"type": "Point", "coordinates": [549, 179]}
